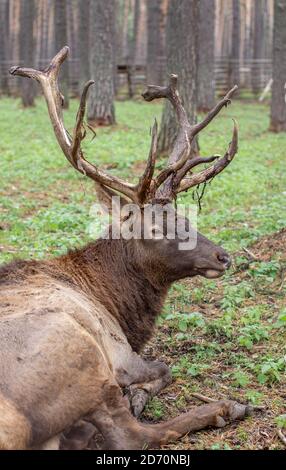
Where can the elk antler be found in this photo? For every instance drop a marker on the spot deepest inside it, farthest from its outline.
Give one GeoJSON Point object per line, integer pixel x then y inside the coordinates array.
{"type": "Point", "coordinates": [169, 181]}
{"type": "Point", "coordinates": [71, 147]}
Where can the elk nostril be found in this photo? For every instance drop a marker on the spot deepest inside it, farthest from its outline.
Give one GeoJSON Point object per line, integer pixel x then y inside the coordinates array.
{"type": "Point", "coordinates": [224, 259]}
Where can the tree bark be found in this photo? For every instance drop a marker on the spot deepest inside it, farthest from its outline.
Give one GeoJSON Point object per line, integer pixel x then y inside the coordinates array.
{"type": "Point", "coordinates": [61, 41]}
{"type": "Point", "coordinates": [4, 49]}
{"type": "Point", "coordinates": [45, 33]}
{"type": "Point", "coordinates": [84, 47]}
{"type": "Point", "coordinates": [181, 45]}
{"type": "Point", "coordinates": [278, 102]}
{"type": "Point", "coordinates": [156, 22]}
{"type": "Point", "coordinates": [26, 49]}
{"type": "Point", "coordinates": [124, 43]}
{"type": "Point", "coordinates": [206, 42]}
{"type": "Point", "coordinates": [101, 107]}
{"type": "Point", "coordinates": [139, 40]}
{"type": "Point", "coordinates": [258, 47]}
{"type": "Point", "coordinates": [234, 77]}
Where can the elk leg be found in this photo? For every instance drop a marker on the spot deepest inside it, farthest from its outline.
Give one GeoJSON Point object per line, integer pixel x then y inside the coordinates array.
{"type": "Point", "coordinates": [120, 430]}
{"type": "Point", "coordinates": [139, 394]}
{"type": "Point", "coordinates": [215, 414]}
{"type": "Point", "coordinates": [142, 380]}
{"type": "Point", "coordinates": [78, 436]}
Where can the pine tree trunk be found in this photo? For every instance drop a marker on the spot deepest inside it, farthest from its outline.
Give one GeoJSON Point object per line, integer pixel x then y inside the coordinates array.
{"type": "Point", "coordinates": [26, 49]}
{"type": "Point", "coordinates": [45, 33]}
{"type": "Point", "coordinates": [278, 103]}
{"type": "Point", "coordinates": [51, 29]}
{"type": "Point", "coordinates": [156, 41]}
{"type": "Point", "coordinates": [4, 50]}
{"type": "Point", "coordinates": [84, 47]}
{"type": "Point", "coordinates": [61, 41]}
{"type": "Point", "coordinates": [124, 54]}
{"type": "Point", "coordinates": [181, 42]}
{"type": "Point", "coordinates": [101, 95]}
{"type": "Point", "coordinates": [206, 41]}
{"type": "Point", "coordinates": [234, 77]}
{"type": "Point", "coordinates": [258, 41]}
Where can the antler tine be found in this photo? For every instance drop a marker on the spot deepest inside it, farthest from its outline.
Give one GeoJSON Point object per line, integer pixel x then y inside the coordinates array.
{"type": "Point", "coordinates": [48, 80]}
{"type": "Point", "coordinates": [181, 149]}
{"type": "Point", "coordinates": [219, 165]}
{"type": "Point", "coordinates": [179, 162]}
{"type": "Point", "coordinates": [145, 183]}
{"type": "Point", "coordinates": [79, 133]}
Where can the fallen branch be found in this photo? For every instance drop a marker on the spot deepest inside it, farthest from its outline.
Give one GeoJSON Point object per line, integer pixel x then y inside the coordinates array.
{"type": "Point", "coordinates": [281, 436]}
{"type": "Point", "coordinates": [203, 398]}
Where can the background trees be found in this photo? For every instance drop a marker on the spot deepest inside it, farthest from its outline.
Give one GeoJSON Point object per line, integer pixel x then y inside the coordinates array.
{"type": "Point", "coordinates": [181, 44]}
{"type": "Point", "coordinates": [156, 20]}
{"type": "Point", "coordinates": [278, 103]}
{"type": "Point", "coordinates": [83, 43]}
{"type": "Point", "coordinates": [205, 51]}
{"type": "Point", "coordinates": [233, 45]}
{"type": "Point", "coordinates": [26, 48]}
{"type": "Point", "coordinates": [257, 45]}
{"type": "Point", "coordinates": [4, 48]}
{"type": "Point", "coordinates": [101, 48]}
{"type": "Point", "coordinates": [61, 39]}
{"type": "Point", "coordinates": [234, 75]}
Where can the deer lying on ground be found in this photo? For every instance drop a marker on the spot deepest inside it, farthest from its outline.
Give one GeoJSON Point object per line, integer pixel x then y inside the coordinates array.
{"type": "Point", "coordinates": [72, 327]}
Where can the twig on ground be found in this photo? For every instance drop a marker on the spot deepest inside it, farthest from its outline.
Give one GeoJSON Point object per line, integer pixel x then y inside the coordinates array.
{"type": "Point", "coordinates": [203, 398]}
{"type": "Point", "coordinates": [250, 254]}
{"type": "Point", "coordinates": [281, 436]}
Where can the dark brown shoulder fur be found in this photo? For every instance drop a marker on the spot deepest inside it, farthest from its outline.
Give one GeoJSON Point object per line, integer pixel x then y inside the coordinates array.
{"type": "Point", "coordinates": [17, 271]}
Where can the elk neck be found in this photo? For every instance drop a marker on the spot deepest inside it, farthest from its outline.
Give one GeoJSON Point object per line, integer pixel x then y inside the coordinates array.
{"type": "Point", "coordinates": [113, 273]}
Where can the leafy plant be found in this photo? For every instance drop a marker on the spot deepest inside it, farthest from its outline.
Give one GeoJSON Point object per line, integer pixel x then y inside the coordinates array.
{"type": "Point", "coordinates": [281, 421]}
{"type": "Point", "coordinates": [270, 370]}
{"type": "Point", "coordinates": [241, 379]}
{"type": "Point", "coordinates": [281, 320]}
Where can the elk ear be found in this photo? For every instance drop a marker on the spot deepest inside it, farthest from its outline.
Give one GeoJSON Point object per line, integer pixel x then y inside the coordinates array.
{"type": "Point", "coordinates": [105, 196]}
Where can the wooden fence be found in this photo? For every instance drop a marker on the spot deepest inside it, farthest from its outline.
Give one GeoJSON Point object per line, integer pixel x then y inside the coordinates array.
{"type": "Point", "coordinates": [254, 75]}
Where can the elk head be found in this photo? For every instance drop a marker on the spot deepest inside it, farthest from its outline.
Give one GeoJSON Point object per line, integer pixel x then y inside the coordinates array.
{"type": "Point", "coordinates": [157, 250]}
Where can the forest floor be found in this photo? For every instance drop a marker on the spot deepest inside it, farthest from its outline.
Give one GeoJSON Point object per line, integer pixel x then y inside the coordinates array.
{"type": "Point", "coordinates": [222, 338]}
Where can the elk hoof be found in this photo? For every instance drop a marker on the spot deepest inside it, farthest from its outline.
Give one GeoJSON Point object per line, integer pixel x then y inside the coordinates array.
{"type": "Point", "coordinates": [138, 399]}
{"type": "Point", "coordinates": [238, 411]}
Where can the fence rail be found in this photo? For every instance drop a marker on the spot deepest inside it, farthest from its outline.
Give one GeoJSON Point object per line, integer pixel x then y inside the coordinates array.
{"type": "Point", "coordinates": [254, 74]}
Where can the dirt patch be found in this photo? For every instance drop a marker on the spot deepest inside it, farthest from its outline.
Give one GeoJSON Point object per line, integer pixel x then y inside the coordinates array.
{"type": "Point", "coordinates": [268, 247]}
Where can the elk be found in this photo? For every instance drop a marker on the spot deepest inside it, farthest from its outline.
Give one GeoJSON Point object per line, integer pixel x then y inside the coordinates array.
{"type": "Point", "coordinates": [72, 327]}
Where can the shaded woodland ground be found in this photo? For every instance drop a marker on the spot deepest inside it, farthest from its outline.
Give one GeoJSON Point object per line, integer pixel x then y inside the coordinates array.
{"type": "Point", "coordinates": [223, 338]}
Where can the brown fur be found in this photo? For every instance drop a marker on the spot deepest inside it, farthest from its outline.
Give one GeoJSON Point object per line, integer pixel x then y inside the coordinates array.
{"type": "Point", "coordinates": [15, 429]}
{"type": "Point", "coordinates": [106, 271]}
{"type": "Point", "coordinates": [70, 331]}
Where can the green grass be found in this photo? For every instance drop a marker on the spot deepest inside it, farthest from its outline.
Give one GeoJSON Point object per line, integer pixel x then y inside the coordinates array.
{"type": "Point", "coordinates": [45, 204]}
{"type": "Point", "coordinates": [223, 337]}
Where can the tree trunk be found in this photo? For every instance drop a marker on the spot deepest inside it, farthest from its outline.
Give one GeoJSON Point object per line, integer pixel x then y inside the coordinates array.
{"type": "Point", "coordinates": [234, 77]}
{"type": "Point", "coordinates": [26, 48]}
{"type": "Point", "coordinates": [101, 95]}
{"type": "Point", "coordinates": [124, 43]}
{"type": "Point", "coordinates": [84, 47]}
{"type": "Point", "coordinates": [45, 34]}
{"type": "Point", "coordinates": [51, 47]}
{"type": "Point", "coordinates": [61, 41]}
{"type": "Point", "coordinates": [206, 41]}
{"type": "Point", "coordinates": [156, 19]}
{"type": "Point", "coordinates": [181, 39]}
{"type": "Point", "coordinates": [278, 103]}
{"type": "Point", "coordinates": [4, 50]}
{"type": "Point", "coordinates": [139, 45]}
{"type": "Point", "coordinates": [257, 46]}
